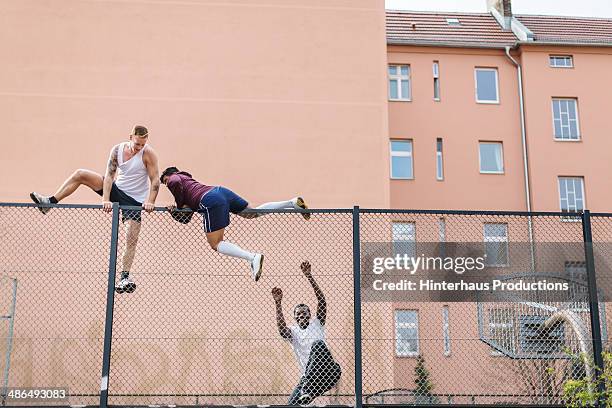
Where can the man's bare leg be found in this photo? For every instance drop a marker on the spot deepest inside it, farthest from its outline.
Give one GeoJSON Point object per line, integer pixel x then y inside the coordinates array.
{"type": "Point", "coordinates": [80, 177]}
{"type": "Point", "coordinates": [131, 240]}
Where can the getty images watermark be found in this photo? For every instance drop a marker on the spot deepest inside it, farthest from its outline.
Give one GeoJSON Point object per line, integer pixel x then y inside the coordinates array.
{"type": "Point", "coordinates": [466, 272]}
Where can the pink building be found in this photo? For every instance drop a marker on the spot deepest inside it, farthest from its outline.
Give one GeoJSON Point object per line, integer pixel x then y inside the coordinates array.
{"type": "Point", "coordinates": [490, 111]}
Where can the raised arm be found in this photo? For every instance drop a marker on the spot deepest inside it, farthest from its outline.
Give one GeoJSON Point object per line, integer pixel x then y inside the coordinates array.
{"type": "Point", "coordinates": [150, 162]}
{"type": "Point", "coordinates": [321, 303]}
{"type": "Point", "coordinates": [283, 330]}
{"type": "Point", "coordinates": [111, 171]}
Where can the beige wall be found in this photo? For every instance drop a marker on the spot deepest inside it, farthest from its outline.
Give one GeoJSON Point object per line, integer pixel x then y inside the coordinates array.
{"type": "Point", "coordinates": [270, 99]}
{"type": "Point", "coordinates": [461, 123]}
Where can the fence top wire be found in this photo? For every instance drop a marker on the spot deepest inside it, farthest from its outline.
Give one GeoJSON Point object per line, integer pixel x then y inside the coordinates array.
{"type": "Point", "coordinates": [340, 210]}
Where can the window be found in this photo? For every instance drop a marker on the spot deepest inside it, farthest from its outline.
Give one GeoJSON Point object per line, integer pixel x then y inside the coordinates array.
{"type": "Point", "coordinates": [399, 82]}
{"type": "Point", "coordinates": [571, 194]}
{"type": "Point", "coordinates": [501, 330]}
{"type": "Point", "coordinates": [453, 22]}
{"type": "Point", "coordinates": [442, 236]}
{"type": "Point", "coordinates": [578, 292]}
{"type": "Point", "coordinates": [436, 80]}
{"type": "Point", "coordinates": [404, 238]}
{"type": "Point", "coordinates": [406, 333]}
{"type": "Point", "coordinates": [401, 159]}
{"type": "Point", "coordinates": [446, 331]}
{"type": "Point", "coordinates": [491, 157]}
{"type": "Point", "coordinates": [496, 244]}
{"type": "Point", "coordinates": [535, 339]}
{"type": "Point", "coordinates": [565, 119]}
{"type": "Point", "coordinates": [439, 161]}
{"type": "Point", "coordinates": [561, 61]}
{"type": "Point", "coordinates": [486, 85]}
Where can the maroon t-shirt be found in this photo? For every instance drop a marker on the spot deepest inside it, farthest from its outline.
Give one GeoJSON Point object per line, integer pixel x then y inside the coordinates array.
{"type": "Point", "coordinates": [186, 190]}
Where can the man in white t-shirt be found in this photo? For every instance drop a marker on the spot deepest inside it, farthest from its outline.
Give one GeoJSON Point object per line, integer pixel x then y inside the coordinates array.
{"type": "Point", "coordinates": [319, 371]}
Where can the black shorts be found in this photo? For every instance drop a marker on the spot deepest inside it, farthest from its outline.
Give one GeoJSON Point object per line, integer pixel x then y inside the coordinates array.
{"type": "Point", "coordinates": [119, 196]}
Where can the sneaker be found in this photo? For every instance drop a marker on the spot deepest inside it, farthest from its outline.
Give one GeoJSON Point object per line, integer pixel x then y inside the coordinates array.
{"type": "Point", "coordinates": [125, 285]}
{"type": "Point", "coordinates": [300, 204]}
{"type": "Point", "coordinates": [304, 399]}
{"type": "Point", "coordinates": [42, 202]}
{"type": "Point", "coordinates": [257, 266]}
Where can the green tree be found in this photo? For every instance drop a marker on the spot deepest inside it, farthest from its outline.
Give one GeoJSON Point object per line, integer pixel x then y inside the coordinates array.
{"type": "Point", "coordinates": [424, 386]}
{"type": "Point", "coordinates": [585, 391]}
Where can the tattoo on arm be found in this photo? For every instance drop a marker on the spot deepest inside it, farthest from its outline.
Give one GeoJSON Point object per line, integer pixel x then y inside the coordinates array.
{"type": "Point", "coordinates": [113, 163]}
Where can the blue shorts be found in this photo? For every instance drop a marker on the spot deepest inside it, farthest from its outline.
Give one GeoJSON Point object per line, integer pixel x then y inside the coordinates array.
{"type": "Point", "coordinates": [119, 196]}
{"type": "Point", "coordinates": [216, 205]}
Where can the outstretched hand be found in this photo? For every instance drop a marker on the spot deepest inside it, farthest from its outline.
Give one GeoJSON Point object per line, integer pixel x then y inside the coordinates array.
{"type": "Point", "coordinates": [306, 268]}
{"type": "Point", "coordinates": [277, 294]}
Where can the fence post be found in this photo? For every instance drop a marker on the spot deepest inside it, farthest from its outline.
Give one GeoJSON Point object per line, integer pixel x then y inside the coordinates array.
{"type": "Point", "coordinates": [357, 308]}
{"type": "Point", "coordinates": [593, 298]}
{"type": "Point", "coordinates": [110, 303]}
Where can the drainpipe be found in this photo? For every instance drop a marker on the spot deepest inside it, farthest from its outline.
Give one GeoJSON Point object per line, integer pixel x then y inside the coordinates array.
{"type": "Point", "coordinates": [524, 143]}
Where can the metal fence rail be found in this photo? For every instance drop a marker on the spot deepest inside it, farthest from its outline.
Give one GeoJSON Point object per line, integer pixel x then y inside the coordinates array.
{"type": "Point", "coordinates": [198, 330]}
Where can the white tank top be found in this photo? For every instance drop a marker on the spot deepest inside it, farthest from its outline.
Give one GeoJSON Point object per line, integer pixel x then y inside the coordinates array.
{"type": "Point", "coordinates": [133, 178]}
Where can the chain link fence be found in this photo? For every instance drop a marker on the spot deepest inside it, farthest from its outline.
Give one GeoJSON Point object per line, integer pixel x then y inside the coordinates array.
{"type": "Point", "coordinates": [199, 331]}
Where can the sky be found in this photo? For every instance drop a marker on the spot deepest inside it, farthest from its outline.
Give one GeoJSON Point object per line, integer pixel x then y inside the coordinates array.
{"type": "Point", "coordinates": [585, 8]}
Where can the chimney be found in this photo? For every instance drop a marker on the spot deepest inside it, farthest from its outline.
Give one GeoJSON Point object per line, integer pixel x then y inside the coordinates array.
{"type": "Point", "coordinates": [504, 10]}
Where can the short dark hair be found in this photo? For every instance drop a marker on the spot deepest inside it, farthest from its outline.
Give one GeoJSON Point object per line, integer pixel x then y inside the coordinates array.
{"type": "Point", "coordinates": [140, 131]}
{"type": "Point", "coordinates": [300, 305]}
{"type": "Point", "coordinates": [167, 172]}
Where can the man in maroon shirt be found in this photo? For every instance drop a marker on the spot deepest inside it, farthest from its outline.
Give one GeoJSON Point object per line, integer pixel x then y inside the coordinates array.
{"type": "Point", "coordinates": [215, 204]}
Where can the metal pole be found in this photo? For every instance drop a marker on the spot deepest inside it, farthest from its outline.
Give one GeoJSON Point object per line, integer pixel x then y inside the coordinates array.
{"type": "Point", "coordinates": [593, 299]}
{"type": "Point", "coordinates": [9, 345]}
{"type": "Point", "coordinates": [357, 308]}
{"type": "Point", "coordinates": [110, 303]}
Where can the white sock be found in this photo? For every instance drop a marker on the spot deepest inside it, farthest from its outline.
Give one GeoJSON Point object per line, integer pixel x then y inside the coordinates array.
{"type": "Point", "coordinates": [276, 205]}
{"type": "Point", "coordinates": [229, 249]}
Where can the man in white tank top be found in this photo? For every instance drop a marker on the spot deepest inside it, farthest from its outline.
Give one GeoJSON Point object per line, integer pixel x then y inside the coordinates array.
{"type": "Point", "coordinates": [319, 371]}
{"type": "Point", "coordinates": [131, 179]}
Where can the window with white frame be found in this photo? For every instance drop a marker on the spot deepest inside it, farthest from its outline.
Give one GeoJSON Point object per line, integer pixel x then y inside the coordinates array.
{"type": "Point", "coordinates": [404, 238]}
{"type": "Point", "coordinates": [446, 331]}
{"type": "Point", "coordinates": [399, 82]}
{"type": "Point", "coordinates": [487, 87]}
{"type": "Point", "coordinates": [565, 119]}
{"type": "Point", "coordinates": [436, 80]}
{"type": "Point", "coordinates": [453, 22]}
{"type": "Point", "coordinates": [571, 194]}
{"type": "Point", "coordinates": [439, 160]}
{"type": "Point", "coordinates": [442, 236]}
{"type": "Point", "coordinates": [401, 159]}
{"type": "Point", "coordinates": [406, 333]}
{"type": "Point", "coordinates": [496, 244]}
{"type": "Point", "coordinates": [501, 330]}
{"type": "Point", "coordinates": [491, 157]}
{"type": "Point", "coordinates": [561, 61]}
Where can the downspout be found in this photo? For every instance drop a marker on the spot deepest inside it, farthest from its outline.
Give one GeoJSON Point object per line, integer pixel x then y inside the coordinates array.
{"type": "Point", "coordinates": [525, 162]}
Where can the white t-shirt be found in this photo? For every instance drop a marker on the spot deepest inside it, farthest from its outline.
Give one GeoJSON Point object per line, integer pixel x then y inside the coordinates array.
{"type": "Point", "coordinates": [302, 340]}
